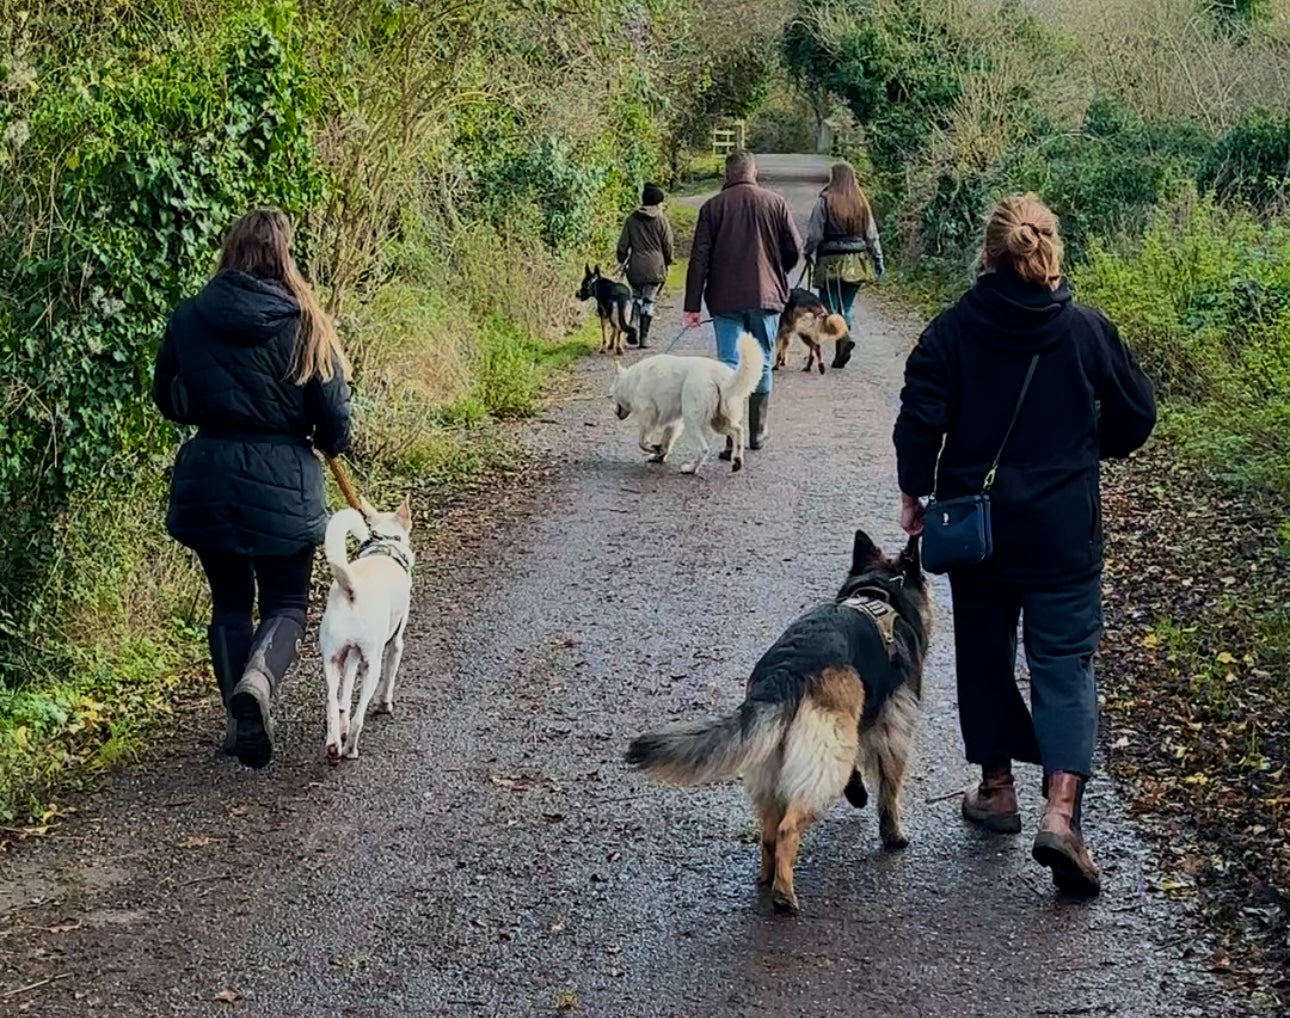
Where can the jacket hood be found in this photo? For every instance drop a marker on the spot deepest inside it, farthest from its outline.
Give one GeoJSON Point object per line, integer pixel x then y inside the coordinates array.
{"type": "Point", "coordinates": [649, 211]}
{"type": "Point", "coordinates": [748, 175]}
{"type": "Point", "coordinates": [1008, 313]}
{"type": "Point", "coordinates": [242, 310]}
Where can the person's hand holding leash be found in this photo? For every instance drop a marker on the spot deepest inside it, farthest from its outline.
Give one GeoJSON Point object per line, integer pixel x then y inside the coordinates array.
{"type": "Point", "coordinates": [911, 515]}
{"type": "Point", "coordinates": [690, 319]}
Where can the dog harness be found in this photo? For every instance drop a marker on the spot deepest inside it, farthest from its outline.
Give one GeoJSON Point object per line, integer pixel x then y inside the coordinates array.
{"type": "Point", "coordinates": [880, 612]}
{"type": "Point", "coordinates": [379, 544]}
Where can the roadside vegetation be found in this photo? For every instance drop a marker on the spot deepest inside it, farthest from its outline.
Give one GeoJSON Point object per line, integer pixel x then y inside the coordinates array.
{"type": "Point", "coordinates": [1159, 132]}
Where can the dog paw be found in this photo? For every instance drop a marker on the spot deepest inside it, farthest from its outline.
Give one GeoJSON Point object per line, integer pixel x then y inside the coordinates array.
{"type": "Point", "coordinates": [894, 839]}
{"type": "Point", "coordinates": [821, 367]}
{"type": "Point", "coordinates": [383, 707]}
{"type": "Point", "coordinates": [333, 753]}
{"type": "Point", "coordinates": [785, 904]}
{"type": "Point", "coordinates": [736, 464]}
{"type": "Point", "coordinates": [689, 468]}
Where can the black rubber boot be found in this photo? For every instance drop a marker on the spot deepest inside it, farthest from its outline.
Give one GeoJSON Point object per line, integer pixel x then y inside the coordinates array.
{"type": "Point", "coordinates": [642, 340]}
{"type": "Point", "coordinates": [758, 410]}
{"type": "Point", "coordinates": [230, 647]}
{"type": "Point", "coordinates": [276, 647]}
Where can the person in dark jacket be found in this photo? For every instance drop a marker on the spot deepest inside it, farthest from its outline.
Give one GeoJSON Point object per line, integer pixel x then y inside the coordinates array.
{"type": "Point", "coordinates": [255, 365]}
{"type": "Point", "coordinates": [745, 245]}
{"type": "Point", "coordinates": [645, 247]}
{"type": "Point", "coordinates": [842, 242]}
{"type": "Point", "coordinates": [1088, 401]}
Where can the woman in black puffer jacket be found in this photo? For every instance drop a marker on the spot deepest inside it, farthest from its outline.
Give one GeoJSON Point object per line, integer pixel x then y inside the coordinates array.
{"type": "Point", "coordinates": [1088, 401]}
{"type": "Point", "coordinates": [255, 365]}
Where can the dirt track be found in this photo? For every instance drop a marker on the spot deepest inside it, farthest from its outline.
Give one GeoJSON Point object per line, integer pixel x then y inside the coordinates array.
{"type": "Point", "coordinates": [489, 855]}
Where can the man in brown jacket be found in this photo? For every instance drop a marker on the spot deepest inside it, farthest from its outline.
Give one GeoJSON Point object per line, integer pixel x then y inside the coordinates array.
{"type": "Point", "coordinates": [745, 245]}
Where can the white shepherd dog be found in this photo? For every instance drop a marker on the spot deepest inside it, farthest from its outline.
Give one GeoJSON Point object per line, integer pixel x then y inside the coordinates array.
{"type": "Point", "coordinates": [666, 394]}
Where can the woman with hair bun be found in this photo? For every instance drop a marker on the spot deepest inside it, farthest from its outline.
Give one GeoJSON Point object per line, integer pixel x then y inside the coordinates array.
{"type": "Point", "coordinates": [1016, 350]}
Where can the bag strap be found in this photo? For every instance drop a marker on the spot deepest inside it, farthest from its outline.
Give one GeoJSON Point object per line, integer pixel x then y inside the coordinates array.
{"type": "Point", "coordinates": [1025, 387]}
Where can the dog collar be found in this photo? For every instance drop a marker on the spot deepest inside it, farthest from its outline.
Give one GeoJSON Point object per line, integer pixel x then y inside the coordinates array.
{"type": "Point", "coordinates": [389, 547]}
{"type": "Point", "coordinates": [880, 612]}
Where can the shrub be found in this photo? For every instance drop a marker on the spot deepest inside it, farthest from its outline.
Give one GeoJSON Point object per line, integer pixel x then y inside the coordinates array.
{"type": "Point", "coordinates": [1251, 162]}
{"type": "Point", "coordinates": [1206, 303]}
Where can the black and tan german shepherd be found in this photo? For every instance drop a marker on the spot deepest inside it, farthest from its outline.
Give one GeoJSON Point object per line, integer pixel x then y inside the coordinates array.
{"type": "Point", "coordinates": [834, 699]}
{"type": "Point", "coordinates": [806, 317]}
{"type": "Point", "coordinates": [613, 308]}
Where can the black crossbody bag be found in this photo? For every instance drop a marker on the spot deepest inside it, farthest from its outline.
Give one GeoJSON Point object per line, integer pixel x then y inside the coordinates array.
{"type": "Point", "coordinates": [956, 532]}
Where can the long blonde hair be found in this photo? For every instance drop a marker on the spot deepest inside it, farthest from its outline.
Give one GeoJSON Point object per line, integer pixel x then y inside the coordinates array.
{"type": "Point", "coordinates": [259, 244]}
{"type": "Point", "coordinates": [846, 205]}
{"type": "Point", "coordinates": [1022, 234]}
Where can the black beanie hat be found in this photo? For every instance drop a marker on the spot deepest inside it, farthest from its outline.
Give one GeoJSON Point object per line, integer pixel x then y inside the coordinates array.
{"type": "Point", "coordinates": [652, 194]}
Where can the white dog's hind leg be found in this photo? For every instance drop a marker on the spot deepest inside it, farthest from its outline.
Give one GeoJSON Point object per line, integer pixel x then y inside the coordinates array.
{"type": "Point", "coordinates": [354, 661]}
{"type": "Point", "coordinates": [738, 434]}
{"type": "Point", "coordinates": [370, 670]}
{"type": "Point", "coordinates": [390, 669]}
{"type": "Point", "coordinates": [333, 666]}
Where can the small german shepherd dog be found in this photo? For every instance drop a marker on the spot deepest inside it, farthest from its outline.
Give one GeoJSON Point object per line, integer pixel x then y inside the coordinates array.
{"type": "Point", "coordinates": [806, 317]}
{"type": "Point", "coordinates": [835, 698]}
{"type": "Point", "coordinates": [613, 308]}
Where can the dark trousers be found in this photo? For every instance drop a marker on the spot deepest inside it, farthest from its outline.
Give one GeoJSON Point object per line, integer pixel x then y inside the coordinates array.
{"type": "Point", "coordinates": [1061, 629]}
{"type": "Point", "coordinates": [283, 583]}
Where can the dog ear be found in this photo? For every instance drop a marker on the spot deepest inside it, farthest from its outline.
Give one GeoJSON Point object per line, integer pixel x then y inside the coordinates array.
{"type": "Point", "coordinates": [910, 562]}
{"type": "Point", "coordinates": [404, 514]}
{"type": "Point", "coordinates": [864, 553]}
{"type": "Point", "coordinates": [597, 270]}
{"type": "Point", "coordinates": [586, 269]}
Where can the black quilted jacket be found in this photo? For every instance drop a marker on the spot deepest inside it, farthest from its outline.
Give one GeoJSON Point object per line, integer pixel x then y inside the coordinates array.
{"type": "Point", "coordinates": [248, 482]}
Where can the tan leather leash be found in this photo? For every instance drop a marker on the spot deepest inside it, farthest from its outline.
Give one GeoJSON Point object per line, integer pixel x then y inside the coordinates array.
{"type": "Point", "coordinates": [346, 486]}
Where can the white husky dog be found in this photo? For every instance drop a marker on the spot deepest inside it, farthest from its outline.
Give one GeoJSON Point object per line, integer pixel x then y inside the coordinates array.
{"type": "Point", "coordinates": [666, 394]}
{"type": "Point", "coordinates": [361, 635]}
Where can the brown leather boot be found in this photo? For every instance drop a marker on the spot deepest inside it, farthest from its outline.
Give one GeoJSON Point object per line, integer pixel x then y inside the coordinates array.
{"type": "Point", "coordinates": [1059, 845]}
{"type": "Point", "coordinates": [993, 803]}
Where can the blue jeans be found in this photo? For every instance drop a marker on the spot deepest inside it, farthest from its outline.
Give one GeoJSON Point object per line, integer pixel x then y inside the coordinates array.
{"type": "Point", "coordinates": [838, 297]}
{"type": "Point", "coordinates": [761, 325]}
{"type": "Point", "coordinates": [1061, 627]}
{"type": "Point", "coordinates": [643, 299]}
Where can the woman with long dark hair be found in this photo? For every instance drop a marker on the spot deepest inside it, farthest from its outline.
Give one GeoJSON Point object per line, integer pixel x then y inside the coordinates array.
{"type": "Point", "coordinates": [1015, 394]}
{"type": "Point", "coordinates": [842, 241]}
{"type": "Point", "coordinates": [254, 363]}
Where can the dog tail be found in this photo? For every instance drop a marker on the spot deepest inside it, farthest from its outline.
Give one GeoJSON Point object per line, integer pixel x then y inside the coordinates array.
{"type": "Point", "coordinates": [625, 317]}
{"type": "Point", "coordinates": [715, 750]}
{"type": "Point", "coordinates": [834, 327]}
{"type": "Point", "coordinates": [345, 522]}
{"type": "Point", "coordinates": [741, 384]}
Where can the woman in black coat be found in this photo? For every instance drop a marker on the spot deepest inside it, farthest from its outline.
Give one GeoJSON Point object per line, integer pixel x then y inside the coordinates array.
{"type": "Point", "coordinates": [1087, 401]}
{"type": "Point", "coordinates": [255, 365]}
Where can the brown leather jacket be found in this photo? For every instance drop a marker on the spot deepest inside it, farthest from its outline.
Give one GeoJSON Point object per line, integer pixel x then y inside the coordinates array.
{"type": "Point", "coordinates": [745, 245]}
